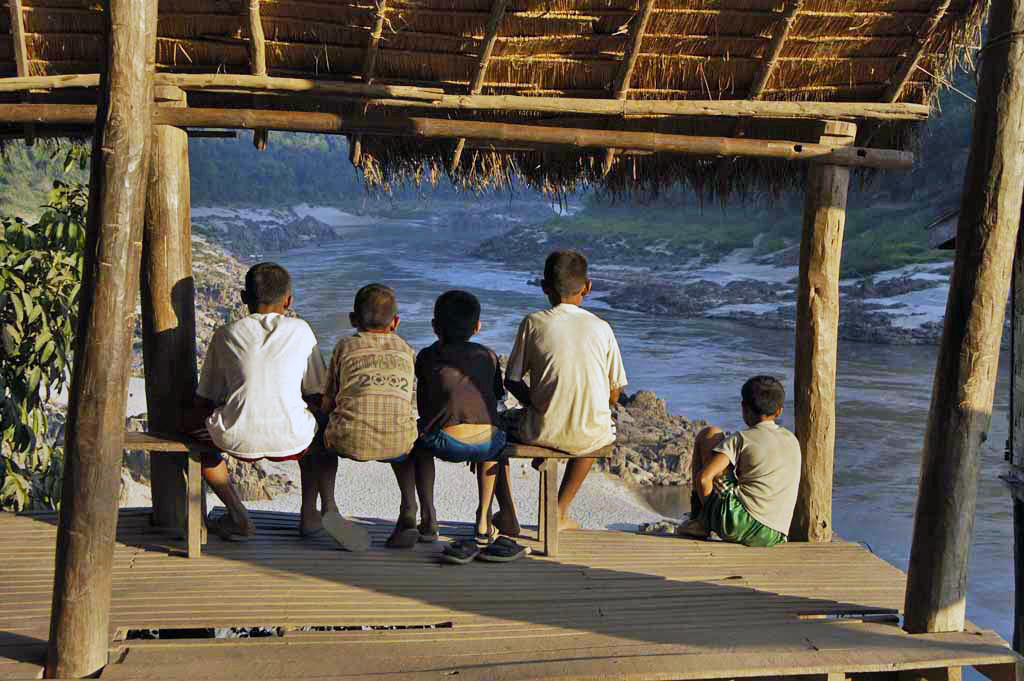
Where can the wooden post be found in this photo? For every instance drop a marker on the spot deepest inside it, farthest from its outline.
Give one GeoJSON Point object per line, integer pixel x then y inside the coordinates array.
{"type": "Point", "coordinates": [168, 306]}
{"type": "Point", "coordinates": [817, 330]}
{"type": "Point", "coordinates": [80, 616]}
{"type": "Point", "coordinates": [969, 352]}
{"type": "Point", "coordinates": [1015, 444]}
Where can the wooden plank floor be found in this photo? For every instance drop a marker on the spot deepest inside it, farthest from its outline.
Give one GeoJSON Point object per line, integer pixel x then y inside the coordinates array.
{"type": "Point", "coordinates": [613, 606]}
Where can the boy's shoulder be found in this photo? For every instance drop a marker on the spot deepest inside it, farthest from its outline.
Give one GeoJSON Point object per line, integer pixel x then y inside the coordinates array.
{"type": "Point", "coordinates": [383, 341]}
{"type": "Point", "coordinates": [772, 436]}
{"type": "Point", "coordinates": [468, 349]}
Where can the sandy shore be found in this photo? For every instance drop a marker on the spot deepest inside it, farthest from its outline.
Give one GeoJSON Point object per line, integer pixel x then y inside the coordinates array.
{"type": "Point", "coordinates": [369, 490]}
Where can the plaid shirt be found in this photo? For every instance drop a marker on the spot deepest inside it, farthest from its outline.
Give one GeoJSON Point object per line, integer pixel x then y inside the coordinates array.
{"type": "Point", "coordinates": [371, 398]}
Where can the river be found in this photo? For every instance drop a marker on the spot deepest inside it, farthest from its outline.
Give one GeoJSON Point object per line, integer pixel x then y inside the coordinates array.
{"type": "Point", "coordinates": [698, 366]}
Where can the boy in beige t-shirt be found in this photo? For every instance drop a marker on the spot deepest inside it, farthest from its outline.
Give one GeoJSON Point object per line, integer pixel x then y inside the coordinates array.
{"type": "Point", "coordinates": [746, 484]}
{"type": "Point", "coordinates": [566, 370]}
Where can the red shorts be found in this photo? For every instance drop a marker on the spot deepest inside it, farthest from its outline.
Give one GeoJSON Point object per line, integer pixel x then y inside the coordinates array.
{"type": "Point", "coordinates": [203, 436]}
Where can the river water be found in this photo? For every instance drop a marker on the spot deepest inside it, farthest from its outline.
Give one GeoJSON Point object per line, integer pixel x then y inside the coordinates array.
{"type": "Point", "coordinates": [697, 366]}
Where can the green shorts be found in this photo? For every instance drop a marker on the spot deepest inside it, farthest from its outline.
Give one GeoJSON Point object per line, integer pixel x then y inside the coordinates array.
{"type": "Point", "coordinates": [724, 515]}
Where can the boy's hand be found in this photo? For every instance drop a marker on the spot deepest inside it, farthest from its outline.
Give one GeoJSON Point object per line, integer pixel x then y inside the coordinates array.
{"type": "Point", "coordinates": [520, 391]}
{"type": "Point", "coordinates": [314, 403]}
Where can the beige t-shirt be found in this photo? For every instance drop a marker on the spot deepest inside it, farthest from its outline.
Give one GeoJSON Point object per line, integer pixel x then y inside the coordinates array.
{"type": "Point", "coordinates": [257, 369]}
{"type": "Point", "coordinates": [766, 459]}
{"type": "Point", "coordinates": [571, 360]}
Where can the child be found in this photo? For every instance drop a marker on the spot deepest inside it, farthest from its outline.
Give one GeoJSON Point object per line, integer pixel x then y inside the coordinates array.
{"type": "Point", "coordinates": [575, 373]}
{"type": "Point", "coordinates": [250, 400]}
{"type": "Point", "coordinates": [368, 397]}
{"type": "Point", "coordinates": [747, 483]}
{"type": "Point", "coordinates": [459, 385]}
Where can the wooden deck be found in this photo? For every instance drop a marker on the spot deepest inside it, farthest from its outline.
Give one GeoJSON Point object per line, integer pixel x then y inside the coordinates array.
{"type": "Point", "coordinates": [612, 606]}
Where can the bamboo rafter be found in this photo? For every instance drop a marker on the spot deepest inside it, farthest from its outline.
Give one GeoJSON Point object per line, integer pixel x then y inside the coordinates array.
{"type": "Point", "coordinates": [775, 47]}
{"type": "Point", "coordinates": [924, 34]}
{"type": "Point", "coordinates": [257, 60]}
{"type": "Point", "coordinates": [634, 40]}
{"type": "Point", "coordinates": [477, 84]}
{"type": "Point", "coordinates": [18, 38]}
{"type": "Point", "coordinates": [369, 70]}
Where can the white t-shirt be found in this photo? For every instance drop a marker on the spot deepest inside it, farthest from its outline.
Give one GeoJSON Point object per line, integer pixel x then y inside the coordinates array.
{"type": "Point", "coordinates": [766, 461]}
{"type": "Point", "coordinates": [257, 370]}
{"type": "Point", "coordinates": [572, 362]}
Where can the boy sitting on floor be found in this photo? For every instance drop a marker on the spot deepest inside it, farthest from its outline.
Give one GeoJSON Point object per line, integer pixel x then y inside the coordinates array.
{"type": "Point", "coordinates": [575, 373]}
{"type": "Point", "coordinates": [251, 397]}
{"type": "Point", "coordinates": [368, 397]}
{"type": "Point", "coordinates": [747, 482]}
{"type": "Point", "coordinates": [457, 392]}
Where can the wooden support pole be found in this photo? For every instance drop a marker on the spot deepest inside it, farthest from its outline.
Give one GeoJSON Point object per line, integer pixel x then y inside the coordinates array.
{"type": "Point", "coordinates": [965, 373]}
{"type": "Point", "coordinates": [80, 616]}
{"type": "Point", "coordinates": [817, 330]}
{"type": "Point", "coordinates": [168, 306]}
{"type": "Point", "coordinates": [1015, 445]}
{"type": "Point", "coordinates": [486, 50]}
{"type": "Point", "coordinates": [20, 52]}
{"type": "Point", "coordinates": [369, 69]}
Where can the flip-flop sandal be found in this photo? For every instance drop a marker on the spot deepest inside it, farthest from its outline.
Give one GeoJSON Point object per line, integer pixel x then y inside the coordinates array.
{"type": "Point", "coordinates": [460, 552]}
{"type": "Point", "coordinates": [349, 535]}
{"type": "Point", "coordinates": [488, 538]}
{"type": "Point", "coordinates": [313, 534]}
{"type": "Point", "coordinates": [405, 538]}
{"type": "Point", "coordinates": [428, 534]}
{"type": "Point", "coordinates": [503, 550]}
{"type": "Point", "coordinates": [226, 528]}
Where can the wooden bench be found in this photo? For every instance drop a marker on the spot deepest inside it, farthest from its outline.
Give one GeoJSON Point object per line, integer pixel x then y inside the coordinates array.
{"type": "Point", "coordinates": [158, 443]}
{"type": "Point", "coordinates": [547, 498]}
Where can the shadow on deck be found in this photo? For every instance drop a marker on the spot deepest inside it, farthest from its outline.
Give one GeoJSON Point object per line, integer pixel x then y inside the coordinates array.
{"type": "Point", "coordinates": [614, 605]}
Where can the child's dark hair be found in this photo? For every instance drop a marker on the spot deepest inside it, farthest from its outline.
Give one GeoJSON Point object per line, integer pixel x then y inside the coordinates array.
{"type": "Point", "coordinates": [565, 272]}
{"type": "Point", "coordinates": [456, 314]}
{"type": "Point", "coordinates": [763, 395]}
{"type": "Point", "coordinates": [266, 283]}
{"type": "Point", "coordinates": [375, 306]}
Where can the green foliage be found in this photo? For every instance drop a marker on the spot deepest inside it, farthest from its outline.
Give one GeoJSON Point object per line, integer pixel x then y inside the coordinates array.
{"type": "Point", "coordinates": [40, 275]}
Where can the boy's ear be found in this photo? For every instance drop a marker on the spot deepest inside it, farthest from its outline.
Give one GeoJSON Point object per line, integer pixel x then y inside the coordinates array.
{"type": "Point", "coordinates": [353, 319]}
{"type": "Point", "coordinates": [245, 296]}
{"type": "Point", "coordinates": [778, 413]}
{"type": "Point", "coordinates": [394, 324]}
{"type": "Point", "coordinates": [433, 325]}
{"type": "Point", "coordinates": [545, 287]}
{"type": "Point", "coordinates": [588, 287]}
{"type": "Point", "coordinates": [288, 301]}
{"type": "Point", "coordinates": [476, 329]}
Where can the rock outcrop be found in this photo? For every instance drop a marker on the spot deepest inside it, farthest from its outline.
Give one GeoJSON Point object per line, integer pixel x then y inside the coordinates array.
{"type": "Point", "coordinates": [653, 447]}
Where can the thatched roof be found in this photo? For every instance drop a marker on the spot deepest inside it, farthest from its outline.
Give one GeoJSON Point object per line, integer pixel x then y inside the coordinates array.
{"type": "Point", "coordinates": [777, 50]}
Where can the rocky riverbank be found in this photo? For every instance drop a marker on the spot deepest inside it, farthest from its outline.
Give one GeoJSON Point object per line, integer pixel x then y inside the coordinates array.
{"type": "Point", "coordinates": [633, 272]}
{"type": "Point", "coordinates": [653, 447]}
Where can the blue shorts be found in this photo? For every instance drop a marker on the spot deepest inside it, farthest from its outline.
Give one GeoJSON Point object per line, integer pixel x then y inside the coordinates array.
{"type": "Point", "coordinates": [445, 447]}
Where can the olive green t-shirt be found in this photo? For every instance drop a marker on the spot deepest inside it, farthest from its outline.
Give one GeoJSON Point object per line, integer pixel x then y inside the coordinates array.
{"type": "Point", "coordinates": [766, 459]}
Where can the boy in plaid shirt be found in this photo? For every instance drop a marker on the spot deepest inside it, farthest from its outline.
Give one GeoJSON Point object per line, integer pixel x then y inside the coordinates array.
{"type": "Point", "coordinates": [369, 401]}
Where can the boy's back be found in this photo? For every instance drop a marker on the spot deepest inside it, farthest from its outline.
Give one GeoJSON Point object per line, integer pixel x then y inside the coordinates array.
{"type": "Point", "coordinates": [458, 383]}
{"type": "Point", "coordinates": [572, 360]}
{"type": "Point", "coordinates": [370, 385]}
{"type": "Point", "coordinates": [258, 369]}
{"type": "Point", "coordinates": [766, 458]}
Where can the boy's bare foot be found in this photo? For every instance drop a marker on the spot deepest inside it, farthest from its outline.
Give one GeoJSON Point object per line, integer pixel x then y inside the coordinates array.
{"type": "Point", "coordinates": [567, 523]}
{"type": "Point", "coordinates": [506, 523]}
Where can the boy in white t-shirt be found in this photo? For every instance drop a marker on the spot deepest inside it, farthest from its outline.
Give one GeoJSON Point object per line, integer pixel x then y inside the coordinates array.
{"type": "Point", "coordinates": [260, 372]}
{"type": "Point", "coordinates": [566, 370]}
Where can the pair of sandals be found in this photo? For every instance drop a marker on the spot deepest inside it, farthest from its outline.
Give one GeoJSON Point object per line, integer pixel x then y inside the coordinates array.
{"type": "Point", "coordinates": [500, 550]}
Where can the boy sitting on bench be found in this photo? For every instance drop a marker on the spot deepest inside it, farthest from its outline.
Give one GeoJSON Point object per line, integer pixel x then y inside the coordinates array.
{"type": "Point", "coordinates": [369, 401]}
{"type": "Point", "coordinates": [574, 370]}
{"type": "Point", "coordinates": [251, 402]}
{"type": "Point", "coordinates": [457, 392]}
{"type": "Point", "coordinates": [747, 483]}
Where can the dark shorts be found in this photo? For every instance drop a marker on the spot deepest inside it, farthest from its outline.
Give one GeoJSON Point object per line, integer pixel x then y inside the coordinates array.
{"type": "Point", "coordinates": [445, 447]}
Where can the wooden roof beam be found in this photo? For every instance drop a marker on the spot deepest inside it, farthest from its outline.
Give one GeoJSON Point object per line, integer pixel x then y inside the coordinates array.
{"type": "Point", "coordinates": [477, 84]}
{"type": "Point", "coordinates": [443, 128]}
{"type": "Point", "coordinates": [898, 84]}
{"type": "Point", "coordinates": [369, 70]}
{"type": "Point", "coordinates": [633, 42]}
